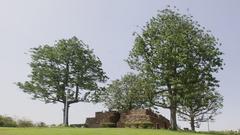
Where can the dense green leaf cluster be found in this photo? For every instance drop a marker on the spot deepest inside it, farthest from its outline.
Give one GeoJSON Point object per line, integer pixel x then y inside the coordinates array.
{"type": "Point", "coordinates": [125, 94]}
{"type": "Point", "coordinates": [70, 66]}
{"type": "Point", "coordinates": [7, 122]}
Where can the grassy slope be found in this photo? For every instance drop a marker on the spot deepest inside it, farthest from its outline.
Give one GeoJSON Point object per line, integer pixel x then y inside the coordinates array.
{"type": "Point", "coordinates": [85, 131]}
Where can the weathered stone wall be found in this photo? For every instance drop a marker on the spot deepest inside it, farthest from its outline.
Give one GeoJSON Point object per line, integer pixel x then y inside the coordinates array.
{"type": "Point", "coordinates": [143, 116]}
{"type": "Point", "coordinates": [102, 118]}
{"type": "Point", "coordinates": [91, 122]}
{"type": "Point", "coordinates": [133, 117]}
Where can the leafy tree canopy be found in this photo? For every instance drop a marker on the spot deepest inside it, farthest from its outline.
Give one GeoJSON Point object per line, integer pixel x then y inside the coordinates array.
{"type": "Point", "coordinates": [171, 49]}
{"type": "Point", "coordinates": [130, 92]}
{"type": "Point", "coordinates": [67, 70]}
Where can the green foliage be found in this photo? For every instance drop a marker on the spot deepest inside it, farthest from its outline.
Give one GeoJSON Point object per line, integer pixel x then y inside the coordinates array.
{"type": "Point", "coordinates": [130, 92]}
{"type": "Point", "coordinates": [6, 121]}
{"type": "Point", "coordinates": [41, 125]}
{"type": "Point", "coordinates": [53, 125]}
{"type": "Point", "coordinates": [78, 125]}
{"type": "Point", "coordinates": [139, 125]}
{"type": "Point", "coordinates": [108, 125]}
{"type": "Point", "coordinates": [25, 123]}
{"type": "Point", "coordinates": [146, 125]}
{"type": "Point", "coordinates": [61, 125]}
{"type": "Point", "coordinates": [176, 51]}
{"type": "Point", "coordinates": [201, 106]}
{"type": "Point", "coordinates": [70, 66]}
{"type": "Point", "coordinates": [66, 69]}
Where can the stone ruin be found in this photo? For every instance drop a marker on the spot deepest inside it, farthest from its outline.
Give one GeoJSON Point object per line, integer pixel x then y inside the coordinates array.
{"type": "Point", "coordinates": [102, 118]}
{"type": "Point", "coordinates": [137, 118]}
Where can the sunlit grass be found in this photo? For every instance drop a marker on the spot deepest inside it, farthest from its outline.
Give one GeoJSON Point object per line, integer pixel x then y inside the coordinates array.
{"type": "Point", "coordinates": [89, 131]}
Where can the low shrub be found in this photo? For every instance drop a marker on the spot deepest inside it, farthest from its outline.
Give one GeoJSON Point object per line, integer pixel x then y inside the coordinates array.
{"type": "Point", "coordinates": [78, 125]}
{"type": "Point", "coordinates": [25, 123]}
{"type": "Point", "coordinates": [7, 121]}
{"type": "Point", "coordinates": [108, 125]}
{"type": "Point", "coordinates": [53, 125]}
{"type": "Point", "coordinates": [146, 125]}
{"type": "Point", "coordinates": [61, 125]}
{"type": "Point", "coordinates": [41, 124]}
{"type": "Point", "coordinates": [139, 125]}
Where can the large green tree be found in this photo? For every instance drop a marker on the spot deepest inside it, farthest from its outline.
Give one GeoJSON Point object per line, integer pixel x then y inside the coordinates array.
{"type": "Point", "coordinates": [171, 48]}
{"type": "Point", "coordinates": [67, 72]}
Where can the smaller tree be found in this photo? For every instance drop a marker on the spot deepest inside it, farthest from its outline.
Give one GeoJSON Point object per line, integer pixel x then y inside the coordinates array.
{"type": "Point", "coordinates": [128, 93]}
{"type": "Point", "coordinates": [200, 106]}
{"type": "Point", "coordinates": [67, 72]}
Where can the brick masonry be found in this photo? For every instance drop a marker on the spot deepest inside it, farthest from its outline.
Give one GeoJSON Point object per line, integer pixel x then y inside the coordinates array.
{"type": "Point", "coordinates": [133, 118]}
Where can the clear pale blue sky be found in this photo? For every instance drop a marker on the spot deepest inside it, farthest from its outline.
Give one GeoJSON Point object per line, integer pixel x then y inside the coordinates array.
{"type": "Point", "coordinates": [107, 26]}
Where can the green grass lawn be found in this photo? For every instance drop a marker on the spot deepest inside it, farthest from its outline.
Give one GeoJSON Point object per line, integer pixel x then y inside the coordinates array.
{"type": "Point", "coordinates": [88, 131]}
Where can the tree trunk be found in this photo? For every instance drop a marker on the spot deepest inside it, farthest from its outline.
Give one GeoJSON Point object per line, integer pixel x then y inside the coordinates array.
{"type": "Point", "coordinates": [173, 115]}
{"type": "Point", "coordinates": [173, 108]}
{"type": "Point", "coordinates": [192, 123]}
{"type": "Point", "coordinates": [65, 114]}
